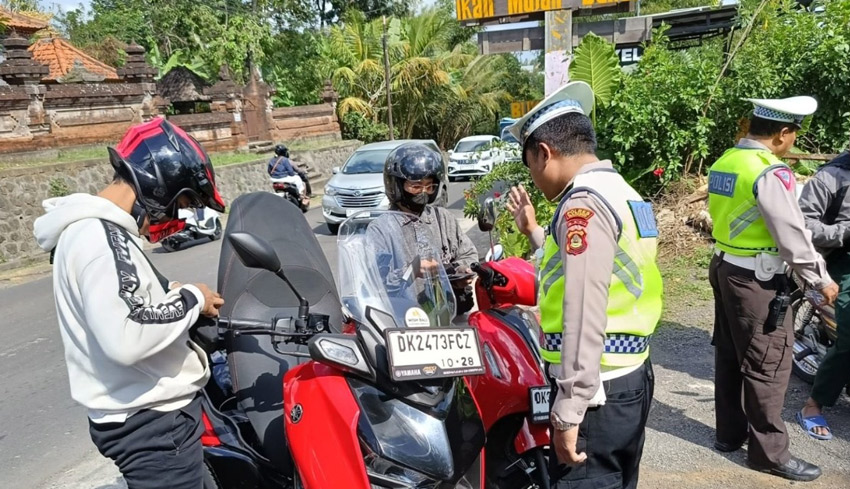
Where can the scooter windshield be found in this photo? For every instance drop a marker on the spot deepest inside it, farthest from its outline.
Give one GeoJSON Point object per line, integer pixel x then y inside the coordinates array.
{"type": "Point", "coordinates": [389, 260]}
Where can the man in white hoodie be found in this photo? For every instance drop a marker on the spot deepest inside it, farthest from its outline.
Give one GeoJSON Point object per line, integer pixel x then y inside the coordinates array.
{"type": "Point", "coordinates": [124, 327]}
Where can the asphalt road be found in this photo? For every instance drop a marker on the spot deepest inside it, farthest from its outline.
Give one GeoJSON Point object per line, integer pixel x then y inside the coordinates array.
{"type": "Point", "coordinates": [44, 443]}
{"type": "Point", "coordinates": [44, 440]}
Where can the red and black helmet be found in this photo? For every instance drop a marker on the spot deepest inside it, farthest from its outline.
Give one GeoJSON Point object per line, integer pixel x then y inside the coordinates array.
{"type": "Point", "coordinates": [162, 162]}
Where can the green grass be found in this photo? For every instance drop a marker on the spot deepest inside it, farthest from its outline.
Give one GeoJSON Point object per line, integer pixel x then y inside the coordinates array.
{"type": "Point", "coordinates": [68, 155]}
{"type": "Point", "coordinates": [686, 279]}
{"type": "Point", "coordinates": [231, 158]}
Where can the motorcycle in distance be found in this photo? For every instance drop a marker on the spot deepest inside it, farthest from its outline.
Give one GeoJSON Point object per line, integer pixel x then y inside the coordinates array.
{"type": "Point", "coordinates": [517, 416]}
{"type": "Point", "coordinates": [289, 191]}
{"type": "Point", "coordinates": [199, 223]}
{"type": "Point", "coordinates": [298, 405]}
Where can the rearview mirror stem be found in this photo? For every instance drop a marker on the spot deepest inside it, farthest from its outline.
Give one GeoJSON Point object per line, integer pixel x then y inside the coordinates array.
{"type": "Point", "coordinates": [303, 305]}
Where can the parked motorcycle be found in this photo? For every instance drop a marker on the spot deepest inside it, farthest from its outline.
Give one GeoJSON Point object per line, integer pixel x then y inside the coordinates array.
{"type": "Point", "coordinates": [815, 329]}
{"type": "Point", "coordinates": [289, 191]}
{"type": "Point", "coordinates": [389, 405]}
{"type": "Point", "coordinates": [199, 223]}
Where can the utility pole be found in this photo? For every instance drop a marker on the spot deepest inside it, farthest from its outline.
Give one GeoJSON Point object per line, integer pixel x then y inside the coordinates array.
{"type": "Point", "coordinates": [387, 80]}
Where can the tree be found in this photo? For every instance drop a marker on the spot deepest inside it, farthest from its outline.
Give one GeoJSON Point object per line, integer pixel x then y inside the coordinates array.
{"type": "Point", "coordinates": [438, 91]}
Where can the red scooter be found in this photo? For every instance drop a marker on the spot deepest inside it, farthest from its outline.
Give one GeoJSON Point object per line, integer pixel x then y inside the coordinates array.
{"type": "Point", "coordinates": [401, 402]}
{"type": "Point", "coordinates": [516, 416]}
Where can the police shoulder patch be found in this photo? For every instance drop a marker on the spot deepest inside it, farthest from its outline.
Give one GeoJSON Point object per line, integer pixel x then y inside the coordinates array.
{"type": "Point", "coordinates": [578, 216]}
{"type": "Point", "coordinates": [576, 241]}
{"type": "Point", "coordinates": [786, 177]}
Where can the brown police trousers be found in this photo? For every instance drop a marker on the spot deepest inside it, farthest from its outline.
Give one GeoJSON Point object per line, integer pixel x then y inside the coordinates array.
{"type": "Point", "coordinates": [752, 363]}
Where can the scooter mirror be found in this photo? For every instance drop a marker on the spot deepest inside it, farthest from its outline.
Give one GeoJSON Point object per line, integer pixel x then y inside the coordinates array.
{"type": "Point", "coordinates": [487, 215]}
{"type": "Point", "coordinates": [254, 252]}
{"type": "Point", "coordinates": [495, 254]}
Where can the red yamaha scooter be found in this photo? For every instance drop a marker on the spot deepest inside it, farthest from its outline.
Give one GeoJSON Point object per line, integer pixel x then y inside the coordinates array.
{"type": "Point", "coordinates": [398, 403]}
{"type": "Point", "coordinates": [516, 416]}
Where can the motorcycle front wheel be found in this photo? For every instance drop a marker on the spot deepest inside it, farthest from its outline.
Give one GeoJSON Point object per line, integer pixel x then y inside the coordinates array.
{"type": "Point", "coordinates": [802, 312]}
{"type": "Point", "coordinates": [169, 247]}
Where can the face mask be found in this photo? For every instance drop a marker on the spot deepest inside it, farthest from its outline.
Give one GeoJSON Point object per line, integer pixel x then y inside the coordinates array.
{"type": "Point", "coordinates": [415, 203]}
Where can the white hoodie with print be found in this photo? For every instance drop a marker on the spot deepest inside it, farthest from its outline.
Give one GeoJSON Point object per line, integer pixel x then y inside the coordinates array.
{"type": "Point", "coordinates": [126, 336]}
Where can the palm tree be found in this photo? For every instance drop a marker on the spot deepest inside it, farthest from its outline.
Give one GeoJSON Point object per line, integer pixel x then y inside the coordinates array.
{"type": "Point", "coordinates": [352, 59]}
{"type": "Point", "coordinates": [437, 91]}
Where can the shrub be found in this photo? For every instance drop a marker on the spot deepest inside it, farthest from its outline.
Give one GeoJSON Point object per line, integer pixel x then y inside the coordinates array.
{"type": "Point", "coordinates": [355, 126]}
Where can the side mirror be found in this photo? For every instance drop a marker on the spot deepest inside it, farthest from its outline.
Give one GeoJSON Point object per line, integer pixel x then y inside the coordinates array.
{"type": "Point", "coordinates": [254, 252]}
{"type": "Point", "coordinates": [451, 152]}
{"type": "Point", "coordinates": [487, 215]}
{"type": "Point", "coordinates": [495, 254]}
{"type": "Point", "coordinates": [335, 170]}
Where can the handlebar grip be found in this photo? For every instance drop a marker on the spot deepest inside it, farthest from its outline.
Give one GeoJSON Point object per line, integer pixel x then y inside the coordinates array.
{"type": "Point", "coordinates": [237, 324]}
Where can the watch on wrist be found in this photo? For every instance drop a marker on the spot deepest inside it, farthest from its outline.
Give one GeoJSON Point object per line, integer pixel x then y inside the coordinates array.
{"type": "Point", "coordinates": [560, 425]}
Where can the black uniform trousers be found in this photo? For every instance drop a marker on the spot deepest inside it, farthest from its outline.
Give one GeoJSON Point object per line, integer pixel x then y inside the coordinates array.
{"type": "Point", "coordinates": [752, 363]}
{"type": "Point", "coordinates": [612, 436]}
{"type": "Point", "coordinates": [153, 449]}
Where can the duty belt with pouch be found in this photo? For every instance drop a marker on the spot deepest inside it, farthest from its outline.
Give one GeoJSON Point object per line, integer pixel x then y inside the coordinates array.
{"type": "Point", "coordinates": [764, 265]}
{"type": "Point", "coordinates": [772, 268]}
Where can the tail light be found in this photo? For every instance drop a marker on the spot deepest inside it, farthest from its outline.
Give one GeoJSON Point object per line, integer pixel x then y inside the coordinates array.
{"type": "Point", "coordinates": [208, 437]}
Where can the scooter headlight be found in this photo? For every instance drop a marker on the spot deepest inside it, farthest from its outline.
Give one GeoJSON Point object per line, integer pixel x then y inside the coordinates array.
{"type": "Point", "coordinates": [405, 443]}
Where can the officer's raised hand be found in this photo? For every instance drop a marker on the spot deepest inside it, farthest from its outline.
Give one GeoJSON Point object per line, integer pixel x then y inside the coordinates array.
{"type": "Point", "coordinates": [565, 446]}
{"type": "Point", "coordinates": [520, 206]}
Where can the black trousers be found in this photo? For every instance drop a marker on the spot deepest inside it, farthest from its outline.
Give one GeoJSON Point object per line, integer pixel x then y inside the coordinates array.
{"type": "Point", "coordinates": [155, 450]}
{"type": "Point", "coordinates": [752, 364]}
{"type": "Point", "coordinates": [612, 435]}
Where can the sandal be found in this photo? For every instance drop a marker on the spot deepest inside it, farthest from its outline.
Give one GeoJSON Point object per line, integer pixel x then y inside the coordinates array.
{"type": "Point", "coordinates": [811, 422]}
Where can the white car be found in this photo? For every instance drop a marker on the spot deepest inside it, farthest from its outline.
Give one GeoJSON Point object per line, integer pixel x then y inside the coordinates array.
{"type": "Point", "coordinates": [359, 184]}
{"type": "Point", "coordinates": [511, 147]}
{"type": "Point", "coordinates": [474, 156]}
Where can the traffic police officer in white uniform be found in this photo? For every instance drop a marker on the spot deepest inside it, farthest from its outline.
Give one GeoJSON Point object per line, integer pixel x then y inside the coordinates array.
{"type": "Point", "coordinates": [600, 295]}
{"type": "Point", "coordinates": [758, 225]}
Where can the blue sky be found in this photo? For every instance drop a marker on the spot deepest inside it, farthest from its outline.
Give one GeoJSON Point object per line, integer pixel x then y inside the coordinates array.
{"type": "Point", "coordinates": [67, 5]}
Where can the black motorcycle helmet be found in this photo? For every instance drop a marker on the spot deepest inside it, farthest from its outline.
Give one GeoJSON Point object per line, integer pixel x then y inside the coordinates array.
{"type": "Point", "coordinates": [414, 162]}
{"type": "Point", "coordinates": [162, 163]}
{"type": "Point", "coordinates": [281, 150]}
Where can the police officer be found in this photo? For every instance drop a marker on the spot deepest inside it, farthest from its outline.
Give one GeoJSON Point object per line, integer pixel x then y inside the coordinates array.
{"type": "Point", "coordinates": [757, 226]}
{"type": "Point", "coordinates": [600, 295]}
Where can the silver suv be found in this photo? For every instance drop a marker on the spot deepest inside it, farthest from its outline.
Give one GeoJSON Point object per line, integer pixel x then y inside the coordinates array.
{"type": "Point", "coordinates": [359, 184]}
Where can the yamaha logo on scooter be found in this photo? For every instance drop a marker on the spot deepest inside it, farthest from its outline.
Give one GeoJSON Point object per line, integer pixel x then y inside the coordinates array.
{"type": "Point", "coordinates": [295, 413]}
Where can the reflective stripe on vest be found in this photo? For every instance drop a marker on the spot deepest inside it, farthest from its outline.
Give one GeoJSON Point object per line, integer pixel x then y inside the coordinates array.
{"type": "Point", "coordinates": [738, 227]}
{"type": "Point", "coordinates": [634, 295]}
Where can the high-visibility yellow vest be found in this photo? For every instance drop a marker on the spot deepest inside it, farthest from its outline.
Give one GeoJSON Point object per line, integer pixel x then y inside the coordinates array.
{"type": "Point", "coordinates": [634, 296]}
{"type": "Point", "coordinates": [738, 227]}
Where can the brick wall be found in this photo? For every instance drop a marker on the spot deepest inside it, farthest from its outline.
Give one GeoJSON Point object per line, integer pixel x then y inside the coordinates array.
{"type": "Point", "coordinates": [304, 122]}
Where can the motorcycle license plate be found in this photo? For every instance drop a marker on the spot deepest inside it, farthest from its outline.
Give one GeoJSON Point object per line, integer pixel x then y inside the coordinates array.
{"type": "Point", "coordinates": [430, 353]}
{"type": "Point", "coordinates": [539, 397]}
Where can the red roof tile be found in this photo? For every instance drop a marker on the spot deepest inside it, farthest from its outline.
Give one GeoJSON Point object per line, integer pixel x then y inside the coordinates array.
{"type": "Point", "coordinates": [60, 55]}
{"type": "Point", "coordinates": [23, 24]}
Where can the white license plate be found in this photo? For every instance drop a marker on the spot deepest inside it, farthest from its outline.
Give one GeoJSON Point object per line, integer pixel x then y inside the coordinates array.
{"type": "Point", "coordinates": [539, 397]}
{"type": "Point", "coordinates": [351, 212]}
{"type": "Point", "coordinates": [429, 353]}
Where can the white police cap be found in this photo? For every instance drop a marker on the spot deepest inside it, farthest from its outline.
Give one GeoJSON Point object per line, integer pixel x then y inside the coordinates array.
{"type": "Point", "coordinates": [792, 109]}
{"type": "Point", "coordinates": [572, 97]}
